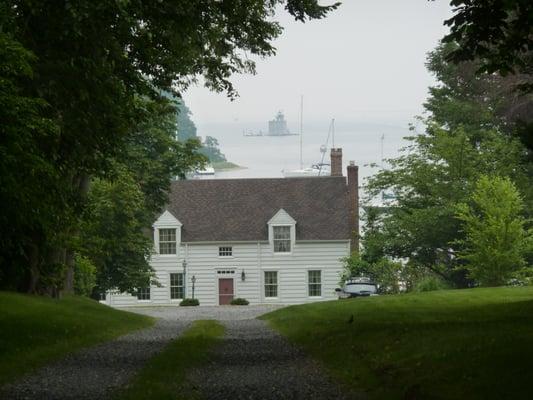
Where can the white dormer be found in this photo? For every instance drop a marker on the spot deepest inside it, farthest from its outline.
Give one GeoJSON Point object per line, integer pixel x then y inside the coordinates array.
{"type": "Point", "coordinates": [282, 232]}
{"type": "Point", "coordinates": [167, 234]}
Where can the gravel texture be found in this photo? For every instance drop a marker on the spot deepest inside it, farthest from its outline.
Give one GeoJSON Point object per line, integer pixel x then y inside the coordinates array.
{"type": "Point", "coordinates": [220, 313]}
{"type": "Point", "coordinates": [94, 372]}
{"type": "Point", "coordinates": [254, 362]}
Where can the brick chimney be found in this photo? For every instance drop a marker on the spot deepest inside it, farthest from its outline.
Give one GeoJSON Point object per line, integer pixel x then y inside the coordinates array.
{"type": "Point", "coordinates": [336, 162]}
{"type": "Point", "coordinates": [353, 198]}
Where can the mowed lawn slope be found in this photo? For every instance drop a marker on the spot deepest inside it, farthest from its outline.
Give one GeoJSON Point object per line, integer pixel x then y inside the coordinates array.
{"type": "Point", "coordinates": [35, 330]}
{"type": "Point", "coordinates": [470, 344]}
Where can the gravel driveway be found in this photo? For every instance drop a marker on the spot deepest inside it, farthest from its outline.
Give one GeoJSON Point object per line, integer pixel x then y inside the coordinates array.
{"type": "Point", "coordinates": [94, 372]}
{"type": "Point", "coordinates": [252, 362]}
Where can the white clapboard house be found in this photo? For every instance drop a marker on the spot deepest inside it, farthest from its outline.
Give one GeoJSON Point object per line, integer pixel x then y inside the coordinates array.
{"type": "Point", "coordinates": [275, 240]}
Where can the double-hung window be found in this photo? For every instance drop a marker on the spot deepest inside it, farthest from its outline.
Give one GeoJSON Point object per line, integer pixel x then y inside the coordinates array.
{"type": "Point", "coordinates": [143, 293]}
{"type": "Point", "coordinates": [176, 286]}
{"type": "Point", "coordinates": [271, 284]}
{"type": "Point", "coordinates": [315, 283]}
{"type": "Point", "coordinates": [167, 241]}
{"type": "Point", "coordinates": [282, 239]}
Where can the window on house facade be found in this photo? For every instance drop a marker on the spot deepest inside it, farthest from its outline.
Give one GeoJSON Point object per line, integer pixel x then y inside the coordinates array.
{"type": "Point", "coordinates": [143, 294]}
{"type": "Point", "coordinates": [176, 286]}
{"type": "Point", "coordinates": [315, 283]}
{"type": "Point", "coordinates": [167, 241]}
{"type": "Point", "coordinates": [282, 239]}
{"type": "Point", "coordinates": [271, 284]}
{"type": "Point", "coordinates": [225, 251]}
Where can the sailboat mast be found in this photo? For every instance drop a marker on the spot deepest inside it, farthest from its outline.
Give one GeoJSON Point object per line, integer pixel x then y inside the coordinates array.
{"type": "Point", "coordinates": [301, 129]}
{"type": "Point", "coordinates": [382, 140]}
{"type": "Point", "coordinates": [333, 132]}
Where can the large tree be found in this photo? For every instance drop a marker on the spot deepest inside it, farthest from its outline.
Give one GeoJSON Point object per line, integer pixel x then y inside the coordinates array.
{"type": "Point", "coordinates": [498, 33]}
{"type": "Point", "coordinates": [497, 37]}
{"type": "Point", "coordinates": [91, 61]}
{"type": "Point", "coordinates": [496, 240]}
{"type": "Point", "coordinates": [467, 135]}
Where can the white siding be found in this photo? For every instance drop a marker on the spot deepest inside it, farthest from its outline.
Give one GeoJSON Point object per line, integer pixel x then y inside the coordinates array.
{"type": "Point", "coordinates": [253, 258]}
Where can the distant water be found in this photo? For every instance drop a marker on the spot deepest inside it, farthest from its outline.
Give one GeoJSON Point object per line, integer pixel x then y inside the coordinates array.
{"type": "Point", "coordinates": [267, 156]}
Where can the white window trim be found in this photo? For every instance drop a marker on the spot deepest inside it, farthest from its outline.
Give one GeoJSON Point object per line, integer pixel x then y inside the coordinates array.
{"type": "Point", "coordinates": [264, 284]}
{"type": "Point", "coordinates": [282, 218]}
{"type": "Point", "coordinates": [158, 232]}
{"type": "Point", "coordinates": [170, 287]}
{"type": "Point", "coordinates": [167, 225]}
{"type": "Point", "coordinates": [145, 300]}
{"type": "Point", "coordinates": [225, 257]}
{"type": "Point", "coordinates": [321, 282]}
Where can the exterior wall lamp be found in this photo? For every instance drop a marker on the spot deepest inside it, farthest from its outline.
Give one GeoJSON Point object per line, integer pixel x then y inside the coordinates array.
{"type": "Point", "coordinates": [243, 276]}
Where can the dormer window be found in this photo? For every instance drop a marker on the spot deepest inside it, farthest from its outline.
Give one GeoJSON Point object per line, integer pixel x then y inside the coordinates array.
{"type": "Point", "coordinates": [282, 239]}
{"type": "Point", "coordinates": [167, 241]}
{"type": "Point", "coordinates": [167, 235]}
{"type": "Point", "coordinates": [282, 232]}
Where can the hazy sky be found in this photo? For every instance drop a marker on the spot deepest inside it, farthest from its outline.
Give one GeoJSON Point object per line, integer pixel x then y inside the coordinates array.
{"type": "Point", "coordinates": [363, 63]}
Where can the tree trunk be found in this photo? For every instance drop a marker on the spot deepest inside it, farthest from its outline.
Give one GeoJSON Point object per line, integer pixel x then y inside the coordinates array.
{"type": "Point", "coordinates": [82, 184]}
{"type": "Point", "coordinates": [33, 262]}
{"type": "Point", "coordinates": [68, 286]}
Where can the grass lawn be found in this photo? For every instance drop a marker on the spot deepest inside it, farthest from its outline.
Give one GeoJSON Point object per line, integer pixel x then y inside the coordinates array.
{"type": "Point", "coordinates": [35, 330]}
{"type": "Point", "coordinates": [453, 344]}
{"type": "Point", "coordinates": [164, 375]}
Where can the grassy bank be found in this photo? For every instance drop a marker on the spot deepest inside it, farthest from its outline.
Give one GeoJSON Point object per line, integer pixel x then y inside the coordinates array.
{"type": "Point", "coordinates": [164, 375]}
{"type": "Point", "coordinates": [475, 344]}
{"type": "Point", "coordinates": [35, 330]}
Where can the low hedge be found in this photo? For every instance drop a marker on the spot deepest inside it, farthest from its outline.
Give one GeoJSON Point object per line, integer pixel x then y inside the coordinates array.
{"type": "Point", "coordinates": [239, 302]}
{"type": "Point", "coordinates": [190, 302]}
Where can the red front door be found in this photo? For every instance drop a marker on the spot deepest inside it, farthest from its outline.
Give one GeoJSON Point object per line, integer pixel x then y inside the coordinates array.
{"type": "Point", "coordinates": [225, 291]}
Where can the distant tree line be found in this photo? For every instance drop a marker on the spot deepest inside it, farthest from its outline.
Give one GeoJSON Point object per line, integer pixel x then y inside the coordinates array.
{"type": "Point", "coordinates": [187, 130]}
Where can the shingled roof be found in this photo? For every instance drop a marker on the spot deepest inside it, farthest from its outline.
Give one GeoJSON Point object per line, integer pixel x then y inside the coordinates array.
{"type": "Point", "coordinates": [239, 209]}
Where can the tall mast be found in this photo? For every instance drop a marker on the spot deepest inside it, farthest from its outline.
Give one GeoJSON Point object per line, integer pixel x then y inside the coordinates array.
{"type": "Point", "coordinates": [301, 129]}
{"type": "Point", "coordinates": [382, 139]}
{"type": "Point", "coordinates": [333, 132]}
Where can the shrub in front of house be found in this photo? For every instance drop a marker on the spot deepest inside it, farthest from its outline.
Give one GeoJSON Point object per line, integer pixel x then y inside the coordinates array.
{"type": "Point", "coordinates": [190, 302]}
{"type": "Point", "coordinates": [239, 302]}
{"type": "Point", "coordinates": [430, 283]}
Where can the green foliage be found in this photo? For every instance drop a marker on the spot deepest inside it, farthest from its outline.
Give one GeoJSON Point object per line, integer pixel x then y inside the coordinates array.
{"type": "Point", "coordinates": [496, 240]}
{"type": "Point", "coordinates": [185, 127]}
{"type": "Point", "coordinates": [430, 283]}
{"type": "Point", "coordinates": [211, 150]}
{"type": "Point", "coordinates": [38, 330]}
{"type": "Point", "coordinates": [467, 135]}
{"type": "Point", "coordinates": [385, 273]}
{"type": "Point", "coordinates": [239, 302]}
{"type": "Point", "coordinates": [189, 302]}
{"type": "Point", "coordinates": [84, 276]}
{"type": "Point", "coordinates": [499, 33]}
{"type": "Point", "coordinates": [164, 376]}
{"type": "Point", "coordinates": [112, 233]}
{"type": "Point", "coordinates": [450, 344]}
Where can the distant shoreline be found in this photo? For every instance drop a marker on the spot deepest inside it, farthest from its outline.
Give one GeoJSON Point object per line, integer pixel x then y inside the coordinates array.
{"type": "Point", "coordinates": [226, 166]}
